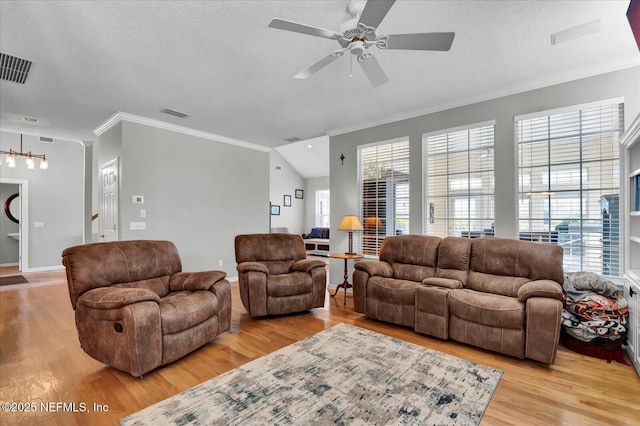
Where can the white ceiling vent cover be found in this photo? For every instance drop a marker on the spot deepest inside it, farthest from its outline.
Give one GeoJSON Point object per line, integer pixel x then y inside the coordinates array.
{"type": "Point", "coordinates": [46, 139]}
{"type": "Point", "coordinates": [14, 69]}
{"type": "Point", "coordinates": [175, 112]}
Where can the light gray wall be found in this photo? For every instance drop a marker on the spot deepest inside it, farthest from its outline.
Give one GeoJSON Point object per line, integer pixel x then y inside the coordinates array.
{"type": "Point", "coordinates": [197, 193]}
{"type": "Point", "coordinates": [55, 196]}
{"type": "Point", "coordinates": [624, 83]}
{"type": "Point", "coordinates": [285, 182]}
{"type": "Point", "coordinates": [312, 185]}
{"type": "Point", "coordinates": [88, 235]}
{"type": "Point", "coordinates": [9, 247]}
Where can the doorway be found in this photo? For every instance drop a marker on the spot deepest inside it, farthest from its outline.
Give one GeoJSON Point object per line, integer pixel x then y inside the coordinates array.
{"type": "Point", "coordinates": [108, 209]}
{"type": "Point", "coordinates": [17, 207]}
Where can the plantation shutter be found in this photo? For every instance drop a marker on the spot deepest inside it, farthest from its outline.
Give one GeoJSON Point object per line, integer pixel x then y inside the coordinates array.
{"type": "Point", "coordinates": [383, 192]}
{"type": "Point", "coordinates": [458, 175]}
{"type": "Point", "coordinates": [569, 185]}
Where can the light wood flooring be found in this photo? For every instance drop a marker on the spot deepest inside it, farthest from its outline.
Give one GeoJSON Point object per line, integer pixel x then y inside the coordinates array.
{"type": "Point", "coordinates": [41, 361]}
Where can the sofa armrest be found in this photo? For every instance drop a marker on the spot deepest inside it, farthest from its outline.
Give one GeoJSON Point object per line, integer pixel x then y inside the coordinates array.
{"type": "Point", "coordinates": [195, 280]}
{"type": "Point", "coordinates": [443, 282]}
{"type": "Point", "coordinates": [540, 288]}
{"type": "Point", "coordinates": [116, 297]}
{"type": "Point", "coordinates": [245, 267]}
{"type": "Point", "coordinates": [306, 265]}
{"type": "Point", "coordinates": [375, 268]}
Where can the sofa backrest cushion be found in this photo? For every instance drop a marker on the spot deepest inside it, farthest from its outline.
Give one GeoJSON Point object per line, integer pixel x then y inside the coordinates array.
{"type": "Point", "coordinates": [96, 265]}
{"type": "Point", "coordinates": [502, 266]}
{"type": "Point", "coordinates": [276, 251]}
{"type": "Point", "coordinates": [454, 255]}
{"type": "Point", "coordinates": [412, 257]}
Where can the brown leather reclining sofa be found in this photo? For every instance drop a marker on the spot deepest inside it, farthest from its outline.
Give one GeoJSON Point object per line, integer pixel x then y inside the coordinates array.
{"type": "Point", "coordinates": [498, 294]}
{"type": "Point", "coordinates": [135, 310]}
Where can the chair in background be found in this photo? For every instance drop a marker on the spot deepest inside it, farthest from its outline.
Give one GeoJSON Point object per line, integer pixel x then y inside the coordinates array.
{"type": "Point", "coordinates": [135, 310]}
{"type": "Point", "coordinates": [275, 277]}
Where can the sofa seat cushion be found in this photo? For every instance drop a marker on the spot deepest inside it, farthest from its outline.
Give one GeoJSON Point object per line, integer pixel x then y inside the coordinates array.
{"type": "Point", "coordinates": [181, 310]}
{"type": "Point", "coordinates": [289, 284]}
{"type": "Point", "coordinates": [487, 309]}
{"type": "Point", "coordinates": [391, 290]}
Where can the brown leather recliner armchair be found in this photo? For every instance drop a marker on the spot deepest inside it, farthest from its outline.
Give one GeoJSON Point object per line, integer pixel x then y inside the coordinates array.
{"type": "Point", "coordinates": [275, 276]}
{"type": "Point", "coordinates": [135, 310]}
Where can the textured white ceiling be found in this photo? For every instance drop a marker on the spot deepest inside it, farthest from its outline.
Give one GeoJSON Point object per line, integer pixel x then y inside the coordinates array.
{"type": "Point", "coordinates": [219, 62]}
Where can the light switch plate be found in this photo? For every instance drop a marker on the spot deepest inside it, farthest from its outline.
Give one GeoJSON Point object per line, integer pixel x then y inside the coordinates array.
{"type": "Point", "coordinates": [38, 224]}
{"type": "Point", "coordinates": [136, 226]}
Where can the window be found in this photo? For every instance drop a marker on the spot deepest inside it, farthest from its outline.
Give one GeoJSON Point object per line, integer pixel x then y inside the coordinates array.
{"type": "Point", "coordinates": [322, 208]}
{"type": "Point", "coordinates": [383, 185]}
{"type": "Point", "coordinates": [459, 182]}
{"type": "Point", "coordinates": [569, 186]}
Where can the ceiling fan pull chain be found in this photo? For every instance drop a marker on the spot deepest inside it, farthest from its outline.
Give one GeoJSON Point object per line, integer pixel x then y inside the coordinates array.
{"type": "Point", "coordinates": [350, 65]}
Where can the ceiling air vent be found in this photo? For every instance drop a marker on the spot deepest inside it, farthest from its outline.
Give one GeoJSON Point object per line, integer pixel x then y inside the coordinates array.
{"type": "Point", "coordinates": [46, 139]}
{"type": "Point", "coordinates": [293, 139]}
{"type": "Point", "coordinates": [174, 112]}
{"type": "Point", "coordinates": [14, 69]}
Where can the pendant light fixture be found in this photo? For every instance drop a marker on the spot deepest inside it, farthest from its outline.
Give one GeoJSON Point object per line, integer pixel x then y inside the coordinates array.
{"type": "Point", "coordinates": [11, 158]}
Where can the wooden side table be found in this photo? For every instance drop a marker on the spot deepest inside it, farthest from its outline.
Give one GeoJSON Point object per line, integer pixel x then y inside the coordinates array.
{"type": "Point", "coordinates": [345, 284]}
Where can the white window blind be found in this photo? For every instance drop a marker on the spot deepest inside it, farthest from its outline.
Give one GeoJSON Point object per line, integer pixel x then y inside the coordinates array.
{"type": "Point", "coordinates": [569, 185]}
{"type": "Point", "coordinates": [322, 208]}
{"type": "Point", "coordinates": [459, 182]}
{"type": "Point", "coordinates": [383, 188]}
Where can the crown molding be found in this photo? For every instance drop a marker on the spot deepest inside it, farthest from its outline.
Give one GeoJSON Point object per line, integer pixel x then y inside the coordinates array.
{"type": "Point", "coordinates": [540, 83]}
{"type": "Point", "coordinates": [124, 116]}
{"type": "Point", "coordinates": [632, 134]}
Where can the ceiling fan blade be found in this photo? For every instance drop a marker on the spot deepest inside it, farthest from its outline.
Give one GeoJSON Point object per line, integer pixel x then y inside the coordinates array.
{"type": "Point", "coordinates": [309, 71]}
{"type": "Point", "coordinates": [282, 24]}
{"type": "Point", "coordinates": [374, 12]}
{"type": "Point", "coordinates": [422, 41]}
{"type": "Point", "coordinates": [374, 71]}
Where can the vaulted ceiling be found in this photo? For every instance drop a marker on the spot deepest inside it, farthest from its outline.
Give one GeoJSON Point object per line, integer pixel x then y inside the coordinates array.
{"type": "Point", "coordinates": [220, 62]}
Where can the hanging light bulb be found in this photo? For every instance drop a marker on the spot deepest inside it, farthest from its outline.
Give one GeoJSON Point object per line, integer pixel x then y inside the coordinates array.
{"type": "Point", "coordinates": [29, 162]}
{"type": "Point", "coordinates": [44, 164]}
{"type": "Point", "coordinates": [11, 160]}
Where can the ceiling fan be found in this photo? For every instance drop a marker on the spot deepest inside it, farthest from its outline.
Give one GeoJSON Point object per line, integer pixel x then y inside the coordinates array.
{"type": "Point", "coordinates": [358, 34]}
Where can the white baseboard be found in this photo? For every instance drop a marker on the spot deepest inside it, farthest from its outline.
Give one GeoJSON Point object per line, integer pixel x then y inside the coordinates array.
{"type": "Point", "coordinates": [2, 265]}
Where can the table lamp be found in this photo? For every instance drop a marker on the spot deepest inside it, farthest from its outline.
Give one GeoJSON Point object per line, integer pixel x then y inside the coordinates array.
{"type": "Point", "coordinates": [350, 223]}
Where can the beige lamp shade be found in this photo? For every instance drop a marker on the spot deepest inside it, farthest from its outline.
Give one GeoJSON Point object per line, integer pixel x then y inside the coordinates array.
{"type": "Point", "coordinates": [350, 223]}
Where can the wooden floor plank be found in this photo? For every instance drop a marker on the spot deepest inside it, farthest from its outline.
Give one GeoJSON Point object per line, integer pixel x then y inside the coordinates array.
{"type": "Point", "coordinates": [41, 361]}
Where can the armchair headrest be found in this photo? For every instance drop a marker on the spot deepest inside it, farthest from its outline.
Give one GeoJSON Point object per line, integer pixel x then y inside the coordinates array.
{"type": "Point", "coordinates": [104, 264]}
{"type": "Point", "coordinates": [269, 247]}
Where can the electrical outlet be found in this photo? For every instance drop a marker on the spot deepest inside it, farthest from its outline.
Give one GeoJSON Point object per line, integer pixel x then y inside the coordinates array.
{"type": "Point", "coordinates": [143, 213]}
{"type": "Point", "coordinates": [220, 262]}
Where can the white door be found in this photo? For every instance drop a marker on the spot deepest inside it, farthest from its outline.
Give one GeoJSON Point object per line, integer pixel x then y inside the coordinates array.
{"type": "Point", "coordinates": [109, 202]}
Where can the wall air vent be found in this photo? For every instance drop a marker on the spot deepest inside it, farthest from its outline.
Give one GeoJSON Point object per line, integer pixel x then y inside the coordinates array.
{"type": "Point", "coordinates": [174, 112]}
{"type": "Point", "coordinates": [14, 69]}
{"type": "Point", "coordinates": [46, 139]}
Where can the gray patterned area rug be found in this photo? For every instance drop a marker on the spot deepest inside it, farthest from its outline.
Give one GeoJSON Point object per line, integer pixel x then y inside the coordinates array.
{"type": "Point", "coordinates": [344, 375]}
